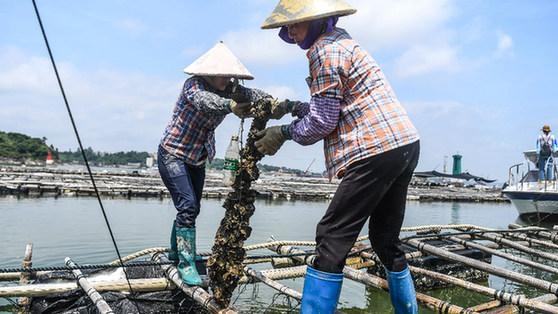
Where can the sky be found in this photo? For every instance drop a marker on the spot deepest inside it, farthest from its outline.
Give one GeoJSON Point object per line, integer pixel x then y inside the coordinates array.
{"type": "Point", "coordinates": [477, 77]}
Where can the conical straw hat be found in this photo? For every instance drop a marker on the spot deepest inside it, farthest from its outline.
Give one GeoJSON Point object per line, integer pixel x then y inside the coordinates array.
{"type": "Point", "coordinates": [294, 11]}
{"type": "Point", "coordinates": [219, 61]}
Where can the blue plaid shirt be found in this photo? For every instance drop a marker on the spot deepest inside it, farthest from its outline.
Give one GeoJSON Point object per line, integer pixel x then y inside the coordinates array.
{"type": "Point", "coordinates": [190, 134]}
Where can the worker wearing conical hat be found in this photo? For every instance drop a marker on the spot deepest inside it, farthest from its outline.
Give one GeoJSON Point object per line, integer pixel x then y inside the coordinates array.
{"type": "Point", "coordinates": [189, 142]}
{"type": "Point", "coordinates": [369, 142]}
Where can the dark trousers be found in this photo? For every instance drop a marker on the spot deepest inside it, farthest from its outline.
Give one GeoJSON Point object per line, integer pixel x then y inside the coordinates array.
{"type": "Point", "coordinates": [373, 189]}
{"type": "Point", "coordinates": [185, 184]}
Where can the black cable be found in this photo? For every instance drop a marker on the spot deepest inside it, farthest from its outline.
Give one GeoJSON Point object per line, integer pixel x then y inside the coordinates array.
{"type": "Point", "coordinates": [79, 141]}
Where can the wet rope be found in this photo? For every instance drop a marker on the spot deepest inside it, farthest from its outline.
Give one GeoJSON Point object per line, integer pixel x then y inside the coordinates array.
{"type": "Point", "coordinates": [247, 248]}
{"type": "Point", "coordinates": [79, 141]}
{"type": "Point", "coordinates": [135, 264]}
{"type": "Point", "coordinates": [450, 234]}
{"type": "Point", "coordinates": [265, 245]}
{"type": "Point", "coordinates": [140, 254]}
{"type": "Point", "coordinates": [80, 267]}
{"type": "Point", "coordinates": [275, 243]}
{"type": "Point", "coordinates": [278, 243]}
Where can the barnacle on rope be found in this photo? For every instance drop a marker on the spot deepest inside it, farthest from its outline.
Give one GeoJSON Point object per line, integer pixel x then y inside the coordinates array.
{"type": "Point", "coordinates": [225, 266]}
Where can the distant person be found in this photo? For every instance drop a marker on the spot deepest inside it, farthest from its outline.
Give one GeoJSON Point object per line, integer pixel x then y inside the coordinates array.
{"type": "Point", "coordinates": [369, 142]}
{"type": "Point", "coordinates": [189, 142]}
{"type": "Point", "coordinates": [546, 147]}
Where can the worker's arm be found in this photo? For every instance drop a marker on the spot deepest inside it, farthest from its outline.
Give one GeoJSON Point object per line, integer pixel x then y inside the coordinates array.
{"type": "Point", "coordinates": [245, 94]}
{"type": "Point", "coordinates": [321, 115]}
{"type": "Point", "coordinates": [319, 122]}
{"type": "Point", "coordinates": [300, 109]}
{"type": "Point", "coordinates": [323, 110]}
{"type": "Point", "coordinates": [194, 92]}
{"type": "Point", "coordinates": [281, 108]}
{"type": "Point", "coordinates": [297, 108]}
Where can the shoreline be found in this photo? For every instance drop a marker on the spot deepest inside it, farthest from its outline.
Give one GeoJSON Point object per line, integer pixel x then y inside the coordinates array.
{"type": "Point", "coordinates": [130, 183]}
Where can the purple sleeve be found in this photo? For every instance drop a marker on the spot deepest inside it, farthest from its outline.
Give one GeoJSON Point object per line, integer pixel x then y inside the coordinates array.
{"type": "Point", "coordinates": [321, 119]}
{"type": "Point", "coordinates": [301, 109]}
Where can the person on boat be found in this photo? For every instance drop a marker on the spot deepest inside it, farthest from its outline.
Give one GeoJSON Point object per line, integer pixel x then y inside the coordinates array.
{"type": "Point", "coordinates": [369, 142]}
{"type": "Point", "coordinates": [188, 142]}
{"type": "Point", "coordinates": [546, 146]}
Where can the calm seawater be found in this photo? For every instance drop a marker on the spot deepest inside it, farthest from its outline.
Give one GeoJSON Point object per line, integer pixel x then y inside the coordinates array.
{"type": "Point", "coordinates": [74, 227]}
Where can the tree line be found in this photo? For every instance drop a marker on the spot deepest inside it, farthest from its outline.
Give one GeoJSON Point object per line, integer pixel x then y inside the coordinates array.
{"type": "Point", "coordinates": [102, 158]}
{"type": "Point", "coordinates": [19, 146]}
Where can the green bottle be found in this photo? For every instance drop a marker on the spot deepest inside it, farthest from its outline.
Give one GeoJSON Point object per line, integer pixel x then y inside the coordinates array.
{"type": "Point", "coordinates": [232, 162]}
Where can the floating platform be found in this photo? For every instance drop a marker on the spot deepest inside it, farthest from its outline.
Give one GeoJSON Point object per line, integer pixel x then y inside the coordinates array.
{"type": "Point", "coordinates": [49, 182]}
{"type": "Point", "coordinates": [439, 256]}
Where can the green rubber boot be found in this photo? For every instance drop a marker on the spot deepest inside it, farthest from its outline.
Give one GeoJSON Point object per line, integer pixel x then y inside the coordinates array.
{"type": "Point", "coordinates": [173, 254]}
{"type": "Point", "coordinates": [186, 248]}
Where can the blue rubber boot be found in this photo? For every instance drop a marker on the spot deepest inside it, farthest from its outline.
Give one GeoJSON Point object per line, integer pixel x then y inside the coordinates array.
{"type": "Point", "coordinates": [186, 248]}
{"type": "Point", "coordinates": [402, 291]}
{"type": "Point", "coordinates": [321, 292]}
{"type": "Point", "coordinates": [173, 254]}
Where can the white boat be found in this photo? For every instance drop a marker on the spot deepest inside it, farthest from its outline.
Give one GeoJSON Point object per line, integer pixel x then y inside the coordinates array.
{"type": "Point", "coordinates": [528, 194]}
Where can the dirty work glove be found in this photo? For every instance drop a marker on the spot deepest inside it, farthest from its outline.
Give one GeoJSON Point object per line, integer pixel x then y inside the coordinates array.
{"type": "Point", "coordinates": [270, 140]}
{"type": "Point", "coordinates": [281, 108]}
{"type": "Point", "coordinates": [240, 109]}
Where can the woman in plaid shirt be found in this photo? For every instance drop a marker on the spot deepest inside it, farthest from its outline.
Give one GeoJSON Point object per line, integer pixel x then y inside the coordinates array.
{"type": "Point", "coordinates": [189, 142]}
{"type": "Point", "coordinates": [369, 142]}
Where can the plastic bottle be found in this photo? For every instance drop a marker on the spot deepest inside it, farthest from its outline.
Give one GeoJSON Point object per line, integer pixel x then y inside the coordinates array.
{"type": "Point", "coordinates": [232, 161]}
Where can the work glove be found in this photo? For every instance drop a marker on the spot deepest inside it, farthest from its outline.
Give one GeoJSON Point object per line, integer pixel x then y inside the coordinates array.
{"type": "Point", "coordinates": [279, 109]}
{"type": "Point", "coordinates": [240, 109]}
{"type": "Point", "coordinates": [270, 140]}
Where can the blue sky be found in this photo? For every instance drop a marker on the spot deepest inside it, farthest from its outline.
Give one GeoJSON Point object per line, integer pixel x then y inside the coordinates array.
{"type": "Point", "coordinates": [477, 77]}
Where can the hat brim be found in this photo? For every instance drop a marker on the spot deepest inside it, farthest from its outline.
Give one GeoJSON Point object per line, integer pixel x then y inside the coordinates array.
{"type": "Point", "coordinates": [238, 76]}
{"type": "Point", "coordinates": [277, 24]}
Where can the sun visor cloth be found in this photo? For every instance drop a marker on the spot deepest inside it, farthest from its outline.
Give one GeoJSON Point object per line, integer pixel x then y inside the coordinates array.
{"type": "Point", "coordinates": [315, 29]}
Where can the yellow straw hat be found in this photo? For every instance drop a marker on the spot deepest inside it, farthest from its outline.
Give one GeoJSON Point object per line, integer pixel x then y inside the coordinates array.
{"type": "Point", "coordinates": [294, 11]}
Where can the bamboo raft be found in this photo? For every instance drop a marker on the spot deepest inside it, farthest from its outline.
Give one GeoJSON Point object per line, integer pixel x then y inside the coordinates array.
{"type": "Point", "coordinates": [448, 255]}
{"type": "Point", "coordinates": [48, 182]}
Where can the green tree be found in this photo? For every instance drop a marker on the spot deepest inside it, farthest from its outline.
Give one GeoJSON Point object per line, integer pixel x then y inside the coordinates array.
{"type": "Point", "coordinates": [20, 146]}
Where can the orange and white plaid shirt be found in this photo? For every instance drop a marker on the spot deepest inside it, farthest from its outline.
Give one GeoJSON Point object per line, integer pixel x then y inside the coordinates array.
{"type": "Point", "coordinates": [371, 121]}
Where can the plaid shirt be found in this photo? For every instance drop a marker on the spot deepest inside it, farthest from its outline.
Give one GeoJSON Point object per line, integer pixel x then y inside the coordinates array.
{"type": "Point", "coordinates": [371, 120]}
{"type": "Point", "coordinates": [190, 134]}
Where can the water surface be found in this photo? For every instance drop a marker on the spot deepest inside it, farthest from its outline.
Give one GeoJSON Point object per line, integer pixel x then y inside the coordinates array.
{"type": "Point", "coordinates": [74, 227]}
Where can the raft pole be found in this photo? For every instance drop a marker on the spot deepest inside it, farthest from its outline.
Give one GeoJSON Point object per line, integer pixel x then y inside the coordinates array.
{"type": "Point", "coordinates": [531, 241]}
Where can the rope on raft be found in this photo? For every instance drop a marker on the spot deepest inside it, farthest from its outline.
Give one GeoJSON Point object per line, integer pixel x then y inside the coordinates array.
{"type": "Point", "coordinates": [5, 273]}
{"type": "Point", "coordinates": [270, 276]}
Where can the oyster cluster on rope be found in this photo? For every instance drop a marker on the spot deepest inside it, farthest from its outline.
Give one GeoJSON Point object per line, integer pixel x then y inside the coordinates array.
{"type": "Point", "coordinates": [225, 266]}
